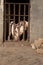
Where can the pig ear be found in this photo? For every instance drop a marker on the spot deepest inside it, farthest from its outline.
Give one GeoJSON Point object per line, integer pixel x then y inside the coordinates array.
{"type": "Point", "coordinates": [11, 22]}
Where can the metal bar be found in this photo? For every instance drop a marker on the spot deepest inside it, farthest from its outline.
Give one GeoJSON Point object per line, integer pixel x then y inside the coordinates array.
{"type": "Point", "coordinates": [5, 22]}
{"type": "Point", "coordinates": [9, 22]}
{"type": "Point", "coordinates": [19, 23]}
{"type": "Point", "coordinates": [28, 23]}
{"type": "Point", "coordinates": [24, 23]}
{"type": "Point", "coordinates": [10, 19]}
{"type": "Point", "coordinates": [18, 3]}
{"type": "Point", "coordinates": [4, 1]}
{"type": "Point", "coordinates": [27, 30]}
{"type": "Point", "coordinates": [4, 28]}
{"type": "Point", "coordinates": [14, 21]}
{"type": "Point", "coordinates": [14, 15]}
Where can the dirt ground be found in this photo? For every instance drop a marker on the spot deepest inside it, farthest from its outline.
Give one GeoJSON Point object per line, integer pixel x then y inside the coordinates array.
{"type": "Point", "coordinates": [20, 55]}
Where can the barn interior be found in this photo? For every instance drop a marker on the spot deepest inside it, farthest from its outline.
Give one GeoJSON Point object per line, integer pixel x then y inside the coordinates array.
{"type": "Point", "coordinates": [16, 13]}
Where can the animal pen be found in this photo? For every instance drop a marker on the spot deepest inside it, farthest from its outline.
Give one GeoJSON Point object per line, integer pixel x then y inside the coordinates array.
{"type": "Point", "coordinates": [16, 11]}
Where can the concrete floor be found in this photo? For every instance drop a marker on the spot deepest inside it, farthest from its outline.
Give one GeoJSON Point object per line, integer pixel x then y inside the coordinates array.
{"type": "Point", "coordinates": [19, 55]}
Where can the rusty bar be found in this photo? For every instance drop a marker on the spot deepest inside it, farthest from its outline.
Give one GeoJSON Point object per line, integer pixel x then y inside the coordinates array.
{"type": "Point", "coordinates": [14, 21]}
{"type": "Point", "coordinates": [10, 19]}
{"type": "Point", "coordinates": [19, 23]}
{"type": "Point", "coordinates": [9, 23]}
{"type": "Point", "coordinates": [24, 22]}
{"type": "Point", "coordinates": [15, 15]}
{"type": "Point", "coordinates": [18, 3]}
{"type": "Point", "coordinates": [4, 23]}
{"type": "Point", "coordinates": [3, 20]}
{"type": "Point", "coordinates": [28, 22]}
{"type": "Point", "coordinates": [4, 1]}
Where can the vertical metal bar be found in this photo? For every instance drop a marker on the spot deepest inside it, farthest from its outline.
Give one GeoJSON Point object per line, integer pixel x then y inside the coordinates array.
{"type": "Point", "coordinates": [4, 1]}
{"type": "Point", "coordinates": [24, 22]}
{"type": "Point", "coordinates": [9, 21]}
{"type": "Point", "coordinates": [14, 20]}
{"type": "Point", "coordinates": [19, 22]}
{"type": "Point", "coordinates": [5, 21]}
{"type": "Point", "coordinates": [4, 24]}
{"type": "Point", "coordinates": [28, 22]}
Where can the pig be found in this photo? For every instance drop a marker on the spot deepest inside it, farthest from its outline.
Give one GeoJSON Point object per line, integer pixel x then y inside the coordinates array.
{"type": "Point", "coordinates": [19, 29]}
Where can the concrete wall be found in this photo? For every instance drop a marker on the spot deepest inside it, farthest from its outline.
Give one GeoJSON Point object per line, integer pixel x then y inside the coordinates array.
{"type": "Point", "coordinates": [36, 22]}
{"type": "Point", "coordinates": [1, 20]}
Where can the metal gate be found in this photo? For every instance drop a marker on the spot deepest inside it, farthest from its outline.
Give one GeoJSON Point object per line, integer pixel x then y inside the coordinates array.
{"type": "Point", "coordinates": [16, 12]}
